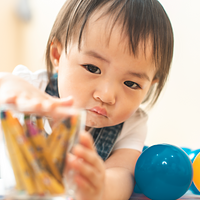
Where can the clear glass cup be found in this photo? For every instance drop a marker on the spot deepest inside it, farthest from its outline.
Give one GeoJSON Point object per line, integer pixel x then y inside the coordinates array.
{"type": "Point", "coordinates": [33, 152]}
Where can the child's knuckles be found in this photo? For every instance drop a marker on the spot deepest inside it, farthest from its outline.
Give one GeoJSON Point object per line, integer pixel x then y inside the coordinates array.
{"type": "Point", "coordinates": [95, 159]}
{"type": "Point", "coordinates": [77, 150]}
{"type": "Point", "coordinates": [88, 188]}
{"type": "Point", "coordinates": [36, 103]}
{"type": "Point", "coordinates": [48, 105]}
{"type": "Point", "coordinates": [86, 170]}
{"type": "Point", "coordinates": [9, 98]}
{"type": "Point", "coordinates": [4, 100]}
{"type": "Point", "coordinates": [83, 184]}
{"type": "Point", "coordinates": [91, 174]}
{"type": "Point", "coordinates": [25, 95]}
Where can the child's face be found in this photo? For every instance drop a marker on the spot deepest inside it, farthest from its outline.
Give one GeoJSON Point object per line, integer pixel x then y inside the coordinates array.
{"type": "Point", "coordinates": [104, 78]}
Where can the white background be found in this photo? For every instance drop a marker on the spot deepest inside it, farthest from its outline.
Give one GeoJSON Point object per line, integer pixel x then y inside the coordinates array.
{"type": "Point", "coordinates": [175, 119]}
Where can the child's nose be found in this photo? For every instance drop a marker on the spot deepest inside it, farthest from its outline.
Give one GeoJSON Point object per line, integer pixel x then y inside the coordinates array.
{"type": "Point", "coordinates": [106, 93]}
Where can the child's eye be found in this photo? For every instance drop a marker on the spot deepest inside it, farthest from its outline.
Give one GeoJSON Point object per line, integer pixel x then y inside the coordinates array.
{"type": "Point", "coordinates": [92, 69]}
{"type": "Point", "coordinates": [132, 84]}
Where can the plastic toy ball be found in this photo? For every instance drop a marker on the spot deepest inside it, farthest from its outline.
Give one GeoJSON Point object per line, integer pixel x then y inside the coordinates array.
{"type": "Point", "coordinates": [194, 189]}
{"type": "Point", "coordinates": [163, 172]}
{"type": "Point", "coordinates": [192, 155]}
{"type": "Point", "coordinates": [196, 168]}
{"type": "Point", "coordinates": [144, 148]}
{"type": "Point", "coordinates": [136, 188]}
{"type": "Point", "coordinates": [187, 150]}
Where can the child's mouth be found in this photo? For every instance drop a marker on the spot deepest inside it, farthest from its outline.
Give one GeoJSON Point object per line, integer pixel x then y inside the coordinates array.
{"type": "Point", "coordinates": [99, 111]}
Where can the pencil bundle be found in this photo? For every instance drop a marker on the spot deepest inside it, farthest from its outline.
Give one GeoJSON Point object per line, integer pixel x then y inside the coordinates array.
{"type": "Point", "coordinates": [38, 161]}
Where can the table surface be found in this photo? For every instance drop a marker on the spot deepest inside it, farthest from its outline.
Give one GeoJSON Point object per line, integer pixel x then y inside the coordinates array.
{"type": "Point", "coordinates": [139, 197]}
{"type": "Point", "coordinates": [142, 197]}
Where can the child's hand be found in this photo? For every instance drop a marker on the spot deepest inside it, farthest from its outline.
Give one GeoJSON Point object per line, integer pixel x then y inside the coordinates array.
{"type": "Point", "coordinates": [27, 98]}
{"type": "Point", "coordinates": [89, 168]}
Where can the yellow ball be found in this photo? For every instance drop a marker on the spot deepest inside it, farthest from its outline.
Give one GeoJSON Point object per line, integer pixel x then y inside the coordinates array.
{"type": "Point", "coordinates": [196, 171]}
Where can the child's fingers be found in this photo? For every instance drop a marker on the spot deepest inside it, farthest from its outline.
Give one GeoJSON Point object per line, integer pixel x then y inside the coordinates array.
{"type": "Point", "coordinates": [87, 171]}
{"type": "Point", "coordinates": [83, 174]}
{"type": "Point", "coordinates": [43, 106]}
{"type": "Point", "coordinates": [89, 163]}
{"type": "Point", "coordinates": [89, 156]}
{"type": "Point", "coordinates": [52, 105]}
{"type": "Point", "coordinates": [86, 140]}
{"type": "Point", "coordinates": [8, 99]}
{"type": "Point", "coordinates": [68, 162]}
{"type": "Point", "coordinates": [53, 102]}
{"type": "Point", "coordinates": [26, 104]}
{"type": "Point", "coordinates": [83, 184]}
{"type": "Point", "coordinates": [68, 101]}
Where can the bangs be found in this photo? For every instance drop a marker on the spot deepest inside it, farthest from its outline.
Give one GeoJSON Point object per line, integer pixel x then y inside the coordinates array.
{"type": "Point", "coordinates": [141, 21]}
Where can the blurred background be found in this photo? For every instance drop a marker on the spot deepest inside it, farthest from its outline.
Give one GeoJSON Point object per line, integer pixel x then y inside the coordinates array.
{"type": "Point", "coordinates": [24, 29]}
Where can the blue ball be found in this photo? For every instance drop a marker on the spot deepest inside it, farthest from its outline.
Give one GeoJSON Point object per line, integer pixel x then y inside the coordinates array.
{"type": "Point", "coordinates": [144, 148]}
{"type": "Point", "coordinates": [193, 189]}
{"type": "Point", "coordinates": [187, 150]}
{"type": "Point", "coordinates": [163, 172]}
{"type": "Point", "coordinates": [136, 188]}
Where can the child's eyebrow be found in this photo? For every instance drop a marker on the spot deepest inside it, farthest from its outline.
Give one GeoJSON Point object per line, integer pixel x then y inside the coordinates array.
{"type": "Point", "coordinates": [140, 75]}
{"type": "Point", "coordinates": [96, 55]}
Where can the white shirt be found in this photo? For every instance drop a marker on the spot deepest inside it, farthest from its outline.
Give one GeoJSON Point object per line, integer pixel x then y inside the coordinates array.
{"type": "Point", "coordinates": [133, 133]}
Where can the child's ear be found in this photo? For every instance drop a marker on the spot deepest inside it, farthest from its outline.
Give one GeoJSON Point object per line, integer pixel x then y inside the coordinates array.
{"type": "Point", "coordinates": [55, 53]}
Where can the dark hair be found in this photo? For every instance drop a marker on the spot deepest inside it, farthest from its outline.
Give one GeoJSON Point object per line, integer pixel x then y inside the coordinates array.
{"type": "Point", "coordinates": [141, 20]}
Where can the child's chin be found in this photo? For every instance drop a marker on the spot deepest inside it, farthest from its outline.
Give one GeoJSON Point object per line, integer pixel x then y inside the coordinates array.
{"type": "Point", "coordinates": [94, 124]}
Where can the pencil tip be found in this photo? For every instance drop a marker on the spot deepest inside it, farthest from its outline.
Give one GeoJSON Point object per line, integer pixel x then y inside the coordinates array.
{"type": "Point", "coordinates": [3, 114]}
{"type": "Point", "coordinates": [67, 122]}
{"type": "Point", "coordinates": [26, 117]}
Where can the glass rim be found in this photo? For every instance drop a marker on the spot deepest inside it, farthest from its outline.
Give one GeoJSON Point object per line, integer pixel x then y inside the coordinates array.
{"type": "Point", "coordinates": [70, 110]}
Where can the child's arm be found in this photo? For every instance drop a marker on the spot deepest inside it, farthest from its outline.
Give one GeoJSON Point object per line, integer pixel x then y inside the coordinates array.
{"type": "Point", "coordinates": [96, 180]}
{"type": "Point", "coordinates": [120, 171]}
{"type": "Point", "coordinates": [15, 90]}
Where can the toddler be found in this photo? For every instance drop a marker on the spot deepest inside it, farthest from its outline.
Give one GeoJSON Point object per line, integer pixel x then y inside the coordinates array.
{"type": "Point", "coordinates": [106, 57]}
